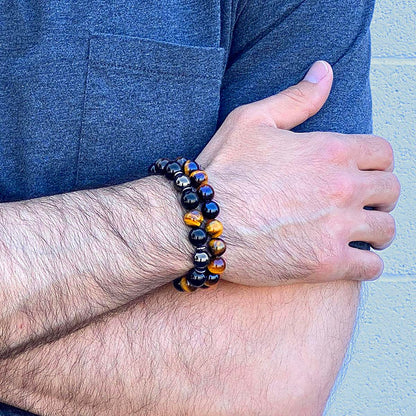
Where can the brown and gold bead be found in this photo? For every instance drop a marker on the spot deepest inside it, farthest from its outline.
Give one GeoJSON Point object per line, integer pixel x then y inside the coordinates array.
{"type": "Point", "coordinates": [193, 218]}
{"type": "Point", "coordinates": [189, 167]}
{"type": "Point", "coordinates": [217, 265]}
{"type": "Point", "coordinates": [217, 246]}
{"type": "Point", "coordinates": [214, 228]}
{"type": "Point", "coordinates": [198, 177]}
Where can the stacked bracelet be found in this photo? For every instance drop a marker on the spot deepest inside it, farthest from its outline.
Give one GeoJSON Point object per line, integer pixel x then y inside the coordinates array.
{"type": "Point", "coordinates": [201, 212]}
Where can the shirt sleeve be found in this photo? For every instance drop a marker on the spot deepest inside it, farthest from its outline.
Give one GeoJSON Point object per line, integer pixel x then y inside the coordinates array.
{"type": "Point", "coordinates": [274, 43]}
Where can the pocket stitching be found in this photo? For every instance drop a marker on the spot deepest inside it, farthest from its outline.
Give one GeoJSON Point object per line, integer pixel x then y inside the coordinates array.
{"type": "Point", "coordinates": [150, 71]}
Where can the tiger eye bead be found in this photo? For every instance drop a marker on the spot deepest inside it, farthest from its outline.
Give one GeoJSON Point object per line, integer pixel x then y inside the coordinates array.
{"type": "Point", "coordinates": [198, 237]}
{"type": "Point", "coordinates": [193, 218]}
{"type": "Point", "coordinates": [180, 182]}
{"type": "Point", "coordinates": [186, 285]}
{"type": "Point", "coordinates": [201, 259]}
{"type": "Point", "coordinates": [161, 164]}
{"type": "Point", "coordinates": [216, 265]}
{"type": "Point", "coordinates": [212, 279]}
{"type": "Point", "coordinates": [189, 167]}
{"type": "Point", "coordinates": [198, 177]}
{"type": "Point", "coordinates": [205, 192]}
{"type": "Point", "coordinates": [189, 199]}
{"type": "Point", "coordinates": [171, 168]}
{"type": "Point", "coordinates": [210, 209]}
{"type": "Point", "coordinates": [214, 228]}
{"type": "Point", "coordinates": [181, 160]}
{"type": "Point", "coordinates": [177, 284]}
{"type": "Point", "coordinates": [195, 278]}
{"type": "Point", "coordinates": [217, 246]}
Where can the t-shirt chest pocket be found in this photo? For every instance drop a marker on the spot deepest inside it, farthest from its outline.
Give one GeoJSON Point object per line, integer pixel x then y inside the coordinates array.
{"type": "Point", "coordinates": [145, 99]}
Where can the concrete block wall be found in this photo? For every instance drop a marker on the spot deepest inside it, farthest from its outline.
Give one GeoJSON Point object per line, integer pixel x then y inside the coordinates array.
{"type": "Point", "coordinates": [379, 378]}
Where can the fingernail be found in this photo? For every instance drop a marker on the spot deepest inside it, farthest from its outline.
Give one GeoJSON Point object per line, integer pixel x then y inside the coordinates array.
{"type": "Point", "coordinates": [317, 72]}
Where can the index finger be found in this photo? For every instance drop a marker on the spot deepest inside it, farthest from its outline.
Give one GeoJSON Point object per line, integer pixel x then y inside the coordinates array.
{"type": "Point", "coordinates": [371, 152]}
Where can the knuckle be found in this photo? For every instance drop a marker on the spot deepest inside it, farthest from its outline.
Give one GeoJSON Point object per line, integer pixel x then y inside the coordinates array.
{"type": "Point", "coordinates": [335, 150]}
{"type": "Point", "coordinates": [342, 188]}
{"type": "Point", "coordinates": [390, 228]}
{"type": "Point", "coordinates": [373, 269]}
{"type": "Point", "coordinates": [396, 187]}
{"type": "Point", "coordinates": [244, 115]}
{"type": "Point", "coordinates": [384, 146]}
{"type": "Point", "coordinates": [302, 100]}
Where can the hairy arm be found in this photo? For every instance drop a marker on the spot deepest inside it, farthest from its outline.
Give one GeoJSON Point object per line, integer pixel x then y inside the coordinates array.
{"type": "Point", "coordinates": [231, 351]}
{"type": "Point", "coordinates": [68, 258]}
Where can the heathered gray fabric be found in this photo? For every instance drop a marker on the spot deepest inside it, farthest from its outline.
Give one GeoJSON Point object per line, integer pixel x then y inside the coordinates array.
{"type": "Point", "coordinates": [92, 91]}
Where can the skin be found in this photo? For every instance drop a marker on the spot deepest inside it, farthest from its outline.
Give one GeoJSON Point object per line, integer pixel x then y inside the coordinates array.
{"type": "Point", "coordinates": [237, 349]}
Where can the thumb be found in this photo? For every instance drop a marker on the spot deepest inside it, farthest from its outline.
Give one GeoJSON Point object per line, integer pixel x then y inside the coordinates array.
{"type": "Point", "coordinates": [296, 104]}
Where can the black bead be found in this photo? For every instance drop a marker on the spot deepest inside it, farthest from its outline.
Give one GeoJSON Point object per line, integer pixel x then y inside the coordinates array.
{"type": "Point", "coordinates": [181, 160]}
{"type": "Point", "coordinates": [210, 209]}
{"type": "Point", "coordinates": [152, 169]}
{"type": "Point", "coordinates": [189, 199]}
{"type": "Point", "coordinates": [177, 284]}
{"type": "Point", "coordinates": [205, 192]}
{"type": "Point", "coordinates": [181, 181]}
{"type": "Point", "coordinates": [171, 168]}
{"type": "Point", "coordinates": [212, 279]}
{"type": "Point", "coordinates": [201, 270]}
{"type": "Point", "coordinates": [195, 279]}
{"type": "Point", "coordinates": [201, 259]}
{"type": "Point", "coordinates": [161, 164]}
{"type": "Point", "coordinates": [198, 237]}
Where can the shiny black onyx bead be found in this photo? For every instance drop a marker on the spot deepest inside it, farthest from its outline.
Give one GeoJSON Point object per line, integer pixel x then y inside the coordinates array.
{"type": "Point", "coordinates": [171, 168]}
{"type": "Point", "coordinates": [210, 209]}
{"type": "Point", "coordinates": [189, 199]}
{"type": "Point", "coordinates": [189, 167]}
{"type": "Point", "coordinates": [181, 160]}
{"type": "Point", "coordinates": [195, 279]}
{"type": "Point", "coordinates": [212, 279]}
{"type": "Point", "coordinates": [198, 237]}
{"type": "Point", "coordinates": [201, 259]}
{"type": "Point", "coordinates": [161, 164]}
{"type": "Point", "coordinates": [152, 169]}
{"type": "Point", "coordinates": [205, 192]}
{"type": "Point", "coordinates": [180, 182]}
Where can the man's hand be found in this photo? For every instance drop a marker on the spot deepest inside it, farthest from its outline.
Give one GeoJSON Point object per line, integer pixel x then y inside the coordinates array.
{"type": "Point", "coordinates": [292, 202]}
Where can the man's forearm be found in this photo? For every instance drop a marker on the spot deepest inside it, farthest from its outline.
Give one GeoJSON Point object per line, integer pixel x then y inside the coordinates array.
{"type": "Point", "coordinates": [231, 351]}
{"type": "Point", "coordinates": [68, 258]}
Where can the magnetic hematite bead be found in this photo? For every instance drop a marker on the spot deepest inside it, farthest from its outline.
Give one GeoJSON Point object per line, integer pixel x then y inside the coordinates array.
{"type": "Point", "coordinates": [161, 164]}
{"type": "Point", "coordinates": [189, 199]}
{"type": "Point", "coordinates": [201, 259]}
{"type": "Point", "coordinates": [181, 181]}
{"type": "Point", "coordinates": [189, 167]}
{"type": "Point", "coordinates": [205, 192]}
{"type": "Point", "coordinates": [216, 265]}
{"type": "Point", "coordinates": [195, 279]}
{"type": "Point", "coordinates": [181, 160]}
{"type": "Point", "coordinates": [217, 246]}
{"type": "Point", "coordinates": [171, 168]}
{"type": "Point", "coordinates": [198, 177]}
{"type": "Point", "coordinates": [212, 279]}
{"type": "Point", "coordinates": [193, 218]}
{"type": "Point", "coordinates": [210, 209]}
{"type": "Point", "coordinates": [214, 228]}
{"type": "Point", "coordinates": [198, 237]}
{"type": "Point", "coordinates": [152, 169]}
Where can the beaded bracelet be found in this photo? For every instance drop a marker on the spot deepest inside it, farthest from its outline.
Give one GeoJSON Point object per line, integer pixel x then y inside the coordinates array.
{"type": "Point", "coordinates": [197, 198]}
